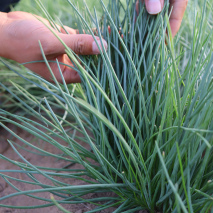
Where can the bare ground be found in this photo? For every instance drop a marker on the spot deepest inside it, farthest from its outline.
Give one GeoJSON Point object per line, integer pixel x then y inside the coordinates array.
{"type": "Point", "coordinates": [39, 160]}
{"type": "Point", "coordinates": [6, 189]}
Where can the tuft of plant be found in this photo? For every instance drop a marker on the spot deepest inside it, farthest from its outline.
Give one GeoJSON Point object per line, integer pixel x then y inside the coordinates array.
{"type": "Point", "coordinates": [144, 108]}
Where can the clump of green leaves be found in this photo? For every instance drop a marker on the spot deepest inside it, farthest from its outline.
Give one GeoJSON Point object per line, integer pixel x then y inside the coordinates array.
{"type": "Point", "coordinates": [147, 101]}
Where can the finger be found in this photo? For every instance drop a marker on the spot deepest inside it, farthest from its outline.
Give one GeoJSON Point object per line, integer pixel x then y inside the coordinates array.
{"type": "Point", "coordinates": [178, 8]}
{"type": "Point", "coordinates": [63, 29]}
{"type": "Point", "coordinates": [154, 6]}
{"type": "Point", "coordinates": [81, 44]}
{"type": "Point", "coordinates": [66, 29]}
{"type": "Point", "coordinates": [69, 75]}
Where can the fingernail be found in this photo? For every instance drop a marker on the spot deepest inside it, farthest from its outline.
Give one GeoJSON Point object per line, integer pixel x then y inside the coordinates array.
{"type": "Point", "coordinates": [153, 6]}
{"type": "Point", "coordinates": [95, 48]}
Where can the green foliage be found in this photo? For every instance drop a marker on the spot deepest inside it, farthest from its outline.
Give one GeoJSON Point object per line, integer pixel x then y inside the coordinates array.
{"type": "Point", "coordinates": [59, 9]}
{"type": "Point", "coordinates": [149, 107]}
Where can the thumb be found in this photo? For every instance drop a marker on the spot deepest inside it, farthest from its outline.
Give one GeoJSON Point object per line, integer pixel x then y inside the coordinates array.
{"type": "Point", "coordinates": [81, 44]}
{"type": "Point", "coordinates": [154, 6]}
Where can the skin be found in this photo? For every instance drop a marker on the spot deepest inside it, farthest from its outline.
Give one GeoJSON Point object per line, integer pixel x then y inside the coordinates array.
{"type": "Point", "coordinates": [178, 8]}
{"type": "Point", "coordinates": [20, 33]}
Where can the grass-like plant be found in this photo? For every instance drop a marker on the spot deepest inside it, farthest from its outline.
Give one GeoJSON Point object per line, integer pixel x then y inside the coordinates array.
{"type": "Point", "coordinates": [144, 108]}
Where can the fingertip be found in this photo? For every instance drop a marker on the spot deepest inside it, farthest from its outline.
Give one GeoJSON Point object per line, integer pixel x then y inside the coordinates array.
{"type": "Point", "coordinates": [97, 46]}
{"type": "Point", "coordinates": [69, 74]}
{"type": "Point", "coordinates": [71, 77]}
{"type": "Point", "coordinates": [153, 6]}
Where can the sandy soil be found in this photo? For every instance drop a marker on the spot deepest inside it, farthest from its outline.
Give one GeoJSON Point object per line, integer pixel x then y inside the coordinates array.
{"type": "Point", "coordinates": [6, 189]}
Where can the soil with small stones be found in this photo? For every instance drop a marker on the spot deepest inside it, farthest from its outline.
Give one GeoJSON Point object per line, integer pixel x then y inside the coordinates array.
{"type": "Point", "coordinates": [39, 160]}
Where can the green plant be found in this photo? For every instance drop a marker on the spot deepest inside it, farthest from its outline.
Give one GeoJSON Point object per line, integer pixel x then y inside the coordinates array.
{"type": "Point", "coordinates": [148, 105]}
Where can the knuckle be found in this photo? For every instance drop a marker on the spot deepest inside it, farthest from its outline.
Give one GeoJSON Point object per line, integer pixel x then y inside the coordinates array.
{"type": "Point", "coordinates": [79, 47]}
{"type": "Point", "coordinates": [48, 45]}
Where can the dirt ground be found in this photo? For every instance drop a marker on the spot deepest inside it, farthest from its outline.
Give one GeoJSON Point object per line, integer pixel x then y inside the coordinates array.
{"type": "Point", "coordinates": [44, 161]}
{"type": "Point", "coordinates": [6, 189]}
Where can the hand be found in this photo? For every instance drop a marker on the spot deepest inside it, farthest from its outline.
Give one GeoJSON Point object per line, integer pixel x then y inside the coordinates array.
{"type": "Point", "coordinates": [19, 36]}
{"type": "Point", "coordinates": [178, 9]}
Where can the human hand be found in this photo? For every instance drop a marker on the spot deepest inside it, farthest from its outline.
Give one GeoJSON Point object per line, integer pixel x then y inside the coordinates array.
{"type": "Point", "coordinates": [19, 36]}
{"type": "Point", "coordinates": [178, 8]}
